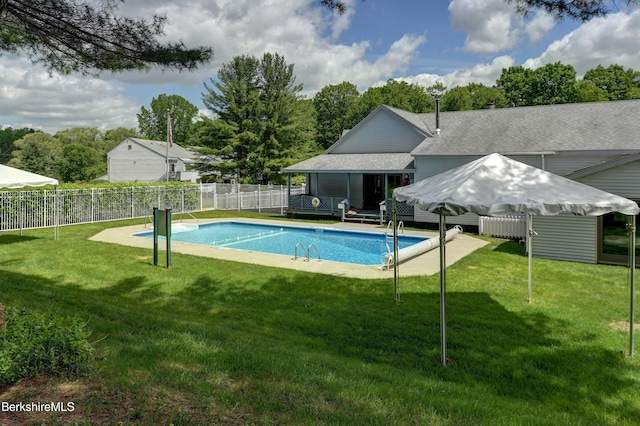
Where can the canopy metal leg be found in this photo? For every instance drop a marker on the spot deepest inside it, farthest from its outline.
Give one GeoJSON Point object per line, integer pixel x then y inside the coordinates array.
{"type": "Point", "coordinates": [530, 234]}
{"type": "Point", "coordinates": [443, 290]}
{"type": "Point", "coordinates": [396, 283]}
{"type": "Point", "coordinates": [632, 280]}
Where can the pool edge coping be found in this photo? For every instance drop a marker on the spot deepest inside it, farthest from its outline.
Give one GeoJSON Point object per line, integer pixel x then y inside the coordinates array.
{"type": "Point", "coordinates": [425, 264]}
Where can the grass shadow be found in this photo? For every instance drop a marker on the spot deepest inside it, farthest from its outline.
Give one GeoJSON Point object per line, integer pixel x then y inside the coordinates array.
{"type": "Point", "coordinates": [511, 247]}
{"type": "Point", "coordinates": [15, 239]}
{"type": "Point", "coordinates": [316, 334]}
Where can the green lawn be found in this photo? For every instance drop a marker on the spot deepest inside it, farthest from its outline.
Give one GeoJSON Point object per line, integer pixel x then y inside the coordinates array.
{"type": "Point", "coordinates": [216, 342]}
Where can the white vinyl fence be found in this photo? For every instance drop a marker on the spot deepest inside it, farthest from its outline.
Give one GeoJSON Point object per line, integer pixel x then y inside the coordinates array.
{"type": "Point", "coordinates": [514, 226]}
{"type": "Point", "coordinates": [45, 208]}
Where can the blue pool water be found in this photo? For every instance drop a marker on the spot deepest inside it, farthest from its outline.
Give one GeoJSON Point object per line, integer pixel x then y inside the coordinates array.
{"type": "Point", "coordinates": [363, 248]}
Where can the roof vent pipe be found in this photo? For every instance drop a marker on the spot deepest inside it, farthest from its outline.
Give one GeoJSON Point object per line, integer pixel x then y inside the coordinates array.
{"type": "Point", "coordinates": [437, 116]}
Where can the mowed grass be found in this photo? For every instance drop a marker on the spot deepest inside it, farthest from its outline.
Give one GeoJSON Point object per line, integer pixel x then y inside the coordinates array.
{"type": "Point", "coordinates": [216, 342]}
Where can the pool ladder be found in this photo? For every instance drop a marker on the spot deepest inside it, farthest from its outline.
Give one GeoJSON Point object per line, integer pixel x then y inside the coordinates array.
{"type": "Point", "coordinates": [307, 252]}
{"type": "Point", "coordinates": [389, 233]}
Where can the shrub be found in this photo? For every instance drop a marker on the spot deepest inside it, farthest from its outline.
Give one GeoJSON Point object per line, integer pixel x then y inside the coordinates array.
{"type": "Point", "coordinates": [32, 344]}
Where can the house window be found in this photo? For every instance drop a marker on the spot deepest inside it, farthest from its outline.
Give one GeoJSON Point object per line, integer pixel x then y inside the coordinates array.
{"type": "Point", "coordinates": [613, 244]}
{"type": "Point", "coordinates": [129, 147]}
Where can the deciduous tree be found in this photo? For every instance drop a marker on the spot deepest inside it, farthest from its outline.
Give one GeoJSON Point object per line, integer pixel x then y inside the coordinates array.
{"type": "Point", "coordinates": [551, 84]}
{"type": "Point", "coordinates": [37, 153]}
{"type": "Point", "coordinates": [616, 82]}
{"type": "Point", "coordinates": [8, 136]}
{"type": "Point", "coordinates": [589, 92]}
{"type": "Point", "coordinates": [78, 163]}
{"type": "Point", "coordinates": [332, 104]}
{"type": "Point", "coordinates": [153, 121]}
{"type": "Point", "coordinates": [397, 94]}
{"type": "Point", "coordinates": [473, 96]}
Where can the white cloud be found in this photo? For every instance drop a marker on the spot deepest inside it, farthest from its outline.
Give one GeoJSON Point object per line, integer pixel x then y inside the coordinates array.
{"type": "Point", "coordinates": [342, 22]}
{"type": "Point", "coordinates": [297, 29]}
{"type": "Point", "coordinates": [539, 26]}
{"type": "Point", "coordinates": [481, 73]}
{"type": "Point", "coordinates": [489, 24]}
{"type": "Point", "coordinates": [486, 74]}
{"type": "Point", "coordinates": [601, 41]}
{"type": "Point", "coordinates": [33, 98]}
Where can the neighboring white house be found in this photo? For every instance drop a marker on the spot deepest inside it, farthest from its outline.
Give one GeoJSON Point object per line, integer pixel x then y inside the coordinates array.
{"type": "Point", "coordinates": [142, 160]}
{"type": "Point", "coordinates": [594, 143]}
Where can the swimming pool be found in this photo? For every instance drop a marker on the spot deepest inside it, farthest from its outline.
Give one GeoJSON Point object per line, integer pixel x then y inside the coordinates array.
{"type": "Point", "coordinates": [362, 248]}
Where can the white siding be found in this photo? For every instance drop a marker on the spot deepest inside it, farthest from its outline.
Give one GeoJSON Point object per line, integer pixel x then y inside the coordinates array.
{"type": "Point", "coordinates": [433, 165]}
{"type": "Point", "coordinates": [384, 132]}
{"type": "Point", "coordinates": [566, 237]}
{"type": "Point", "coordinates": [469, 219]}
{"type": "Point", "coordinates": [623, 180]}
{"type": "Point", "coordinates": [564, 163]}
{"type": "Point", "coordinates": [135, 164]}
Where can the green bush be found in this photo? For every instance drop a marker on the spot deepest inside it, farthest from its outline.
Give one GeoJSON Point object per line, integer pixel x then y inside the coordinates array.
{"type": "Point", "coordinates": [32, 344]}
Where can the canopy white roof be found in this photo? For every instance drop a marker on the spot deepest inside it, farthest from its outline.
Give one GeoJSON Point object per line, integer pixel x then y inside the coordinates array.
{"type": "Point", "coordinates": [16, 178]}
{"type": "Point", "coordinates": [495, 185]}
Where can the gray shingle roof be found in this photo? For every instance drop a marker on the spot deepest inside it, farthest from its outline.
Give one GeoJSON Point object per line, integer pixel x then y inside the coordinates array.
{"type": "Point", "coordinates": [342, 163]}
{"type": "Point", "coordinates": [550, 128]}
{"type": "Point", "coordinates": [160, 147]}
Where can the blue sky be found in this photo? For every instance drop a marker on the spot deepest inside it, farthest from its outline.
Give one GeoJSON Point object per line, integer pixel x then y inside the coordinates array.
{"type": "Point", "coordinates": [420, 41]}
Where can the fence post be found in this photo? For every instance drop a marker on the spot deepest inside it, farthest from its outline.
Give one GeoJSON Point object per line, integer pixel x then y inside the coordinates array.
{"type": "Point", "coordinates": [215, 196]}
{"type": "Point", "coordinates": [239, 198]}
{"type": "Point", "coordinates": [20, 209]}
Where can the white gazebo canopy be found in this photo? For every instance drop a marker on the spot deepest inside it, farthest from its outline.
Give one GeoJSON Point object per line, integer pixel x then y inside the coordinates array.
{"type": "Point", "coordinates": [495, 185]}
{"type": "Point", "coordinates": [16, 178]}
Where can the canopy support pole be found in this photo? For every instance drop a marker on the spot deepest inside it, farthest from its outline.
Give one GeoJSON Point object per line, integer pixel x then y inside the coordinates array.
{"type": "Point", "coordinates": [443, 290]}
{"type": "Point", "coordinates": [632, 280]}
{"type": "Point", "coordinates": [530, 234]}
{"type": "Point", "coordinates": [396, 284]}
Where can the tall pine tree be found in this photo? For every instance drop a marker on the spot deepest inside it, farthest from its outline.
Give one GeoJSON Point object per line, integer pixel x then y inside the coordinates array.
{"type": "Point", "coordinates": [260, 126]}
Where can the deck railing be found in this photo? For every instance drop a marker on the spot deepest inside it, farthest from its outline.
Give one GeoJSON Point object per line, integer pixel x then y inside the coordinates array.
{"type": "Point", "coordinates": [513, 226]}
{"type": "Point", "coordinates": [304, 204]}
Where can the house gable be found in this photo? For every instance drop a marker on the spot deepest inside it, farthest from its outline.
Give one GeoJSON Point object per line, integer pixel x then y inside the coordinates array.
{"type": "Point", "coordinates": [142, 160]}
{"type": "Point", "coordinates": [385, 130]}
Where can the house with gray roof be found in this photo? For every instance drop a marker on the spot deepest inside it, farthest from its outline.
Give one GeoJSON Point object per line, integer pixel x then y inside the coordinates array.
{"type": "Point", "coordinates": [143, 160]}
{"type": "Point", "coordinates": [594, 143]}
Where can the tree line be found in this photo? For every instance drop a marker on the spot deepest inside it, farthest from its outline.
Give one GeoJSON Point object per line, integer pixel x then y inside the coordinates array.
{"type": "Point", "coordinates": [261, 123]}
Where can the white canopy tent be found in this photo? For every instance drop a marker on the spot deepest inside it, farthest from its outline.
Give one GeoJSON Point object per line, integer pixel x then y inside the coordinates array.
{"type": "Point", "coordinates": [16, 178]}
{"type": "Point", "coordinates": [495, 185]}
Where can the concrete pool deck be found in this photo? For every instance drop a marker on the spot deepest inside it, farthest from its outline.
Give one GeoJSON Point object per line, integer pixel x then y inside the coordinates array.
{"type": "Point", "coordinates": [425, 264]}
